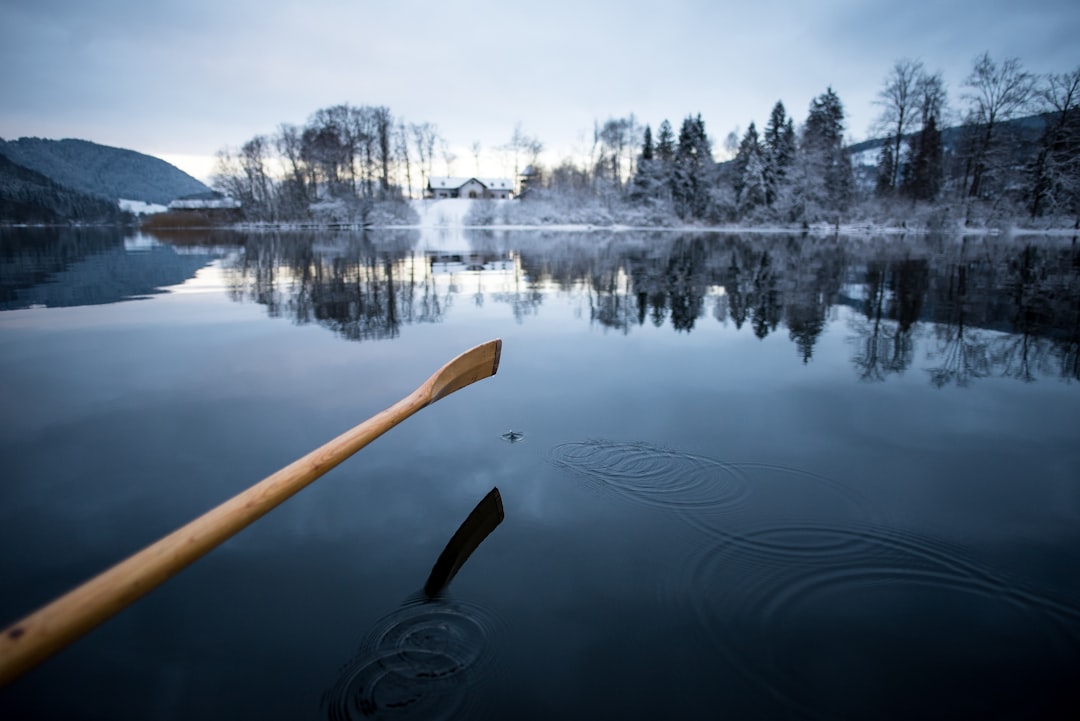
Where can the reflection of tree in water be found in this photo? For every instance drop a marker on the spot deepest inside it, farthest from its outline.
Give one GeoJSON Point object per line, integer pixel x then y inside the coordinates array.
{"type": "Point", "coordinates": [987, 306]}
{"type": "Point", "coordinates": [962, 346]}
{"type": "Point", "coordinates": [1005, 309]}
{"type": "Point", "coordinates": [893, 296]}
{"type": "Point", "coordinates": [1044, 287]}
{"type": "Point", "coordinates": [360, 286]}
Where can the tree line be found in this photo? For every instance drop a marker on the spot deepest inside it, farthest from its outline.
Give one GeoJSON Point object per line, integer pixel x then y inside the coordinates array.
{"type": "Point", "coordinates": [1009, 147]}
{"type": "Point", "coordinates": [1012, 148]}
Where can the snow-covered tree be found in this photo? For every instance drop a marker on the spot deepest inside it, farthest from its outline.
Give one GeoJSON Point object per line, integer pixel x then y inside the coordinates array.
{"type": "Point", "coordinates": [779, 146]}
{"type": "Point", "coordinates": [827, 182]}
{"type": "Point", "coordinates": [692, 170]}
{"type": "Point", "coordinates": [749, 172]}
{"type": "Point", "coordinates": [1055, 174]}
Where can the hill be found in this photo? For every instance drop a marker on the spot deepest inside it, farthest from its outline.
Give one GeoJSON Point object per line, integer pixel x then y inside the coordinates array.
{"type": "Point", "coordinates": [27, 196]}
{"type": "Point", "coordinates": [101, 170]}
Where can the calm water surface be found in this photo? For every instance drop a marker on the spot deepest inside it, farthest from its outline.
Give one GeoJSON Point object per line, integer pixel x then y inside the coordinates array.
{"type": "Point", "coordinates": [750, 477]}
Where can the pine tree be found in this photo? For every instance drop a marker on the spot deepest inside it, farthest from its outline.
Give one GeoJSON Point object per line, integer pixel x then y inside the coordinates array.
{"type": "Point", "coordinates": [647, 179]}
{"type": "Point", "coordinates": [925, 167]}
{"type": "Point", "coordinates": [749, 172]}
{"type": "Point", "coordinates": [886, 170]}
{"type": "Point", "coordinates": [829, 183]}
{"type": "Point", "coordinates": [692, 168]}
{"type": "Point", "coordinates": [665, 143]}
{"type": "Point", "coordinates": [647, 145]}
{"type": "Point", "coordinates": [779, 147]}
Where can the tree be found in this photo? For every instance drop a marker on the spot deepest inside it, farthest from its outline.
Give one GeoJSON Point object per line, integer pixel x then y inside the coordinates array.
{"type": "Point", "coordinates": [475, 148]}
{"type": "Point", "coordinates": [828, 181]}
{"type": "Point", "coordinates": [692, 169]}
{"type": "Point", "coordinates": [522, 146]}
{"type": "Point", "coordinates": [665, 143]}
{"type": "Point", "coordinates": [925, 167]}
{"type": "Point", "coordinates": [1055, 174]}
{"type": "Point", "coordinates": [293, 191]}
{"type": "Point", "coordinates": [779, 146]}
{"type": "Point", "coordinates": [401, 141]}
{"type": "Point", "coordinates": [886, 168]}
{"type": "Point", "coordinates": [647, 150]}
{"type": "Point", "coordinates": [898, 100]}
{"type": "Point", "coordinates": [424, 138]}
{"type": "Point", "coordinates": [995, 93]}
{"type": "Point", "coordinates": [749, 172]}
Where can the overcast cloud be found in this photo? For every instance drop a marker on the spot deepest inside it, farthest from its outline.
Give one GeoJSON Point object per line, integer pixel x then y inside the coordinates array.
{"type": "Point", "coordinates": [182, 80]}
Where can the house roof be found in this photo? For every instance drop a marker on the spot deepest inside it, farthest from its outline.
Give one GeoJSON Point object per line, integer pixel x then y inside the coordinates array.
{"type": "Point", "coordinates": [453, 183]}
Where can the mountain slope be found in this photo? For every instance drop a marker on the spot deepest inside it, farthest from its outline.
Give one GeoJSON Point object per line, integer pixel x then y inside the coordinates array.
{"type": "Point", "coordinates": [101, 170]}
{"type": "Point", "coordinates": [27, 196]}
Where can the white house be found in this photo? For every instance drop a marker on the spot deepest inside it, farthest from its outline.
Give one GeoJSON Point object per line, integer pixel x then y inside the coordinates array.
{"type": "Point", "coordinates": [493, 188]}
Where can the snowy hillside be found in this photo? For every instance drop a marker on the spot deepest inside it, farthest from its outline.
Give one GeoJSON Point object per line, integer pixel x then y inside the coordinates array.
{"type": "Point", "coordinates": [101, 170]}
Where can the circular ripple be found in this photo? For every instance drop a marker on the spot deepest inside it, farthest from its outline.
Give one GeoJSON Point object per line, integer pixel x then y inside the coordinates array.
{"type": "Point", "coordinates": [811, 612]}
{"type": "Point", "coordinates": [415, 663]}
{"type": "Point", "coordinates": [653, 476]}
{"type": "Point", "coordinates": [716, 497]}
{"type": "Point", "coordinates": [411, 683]}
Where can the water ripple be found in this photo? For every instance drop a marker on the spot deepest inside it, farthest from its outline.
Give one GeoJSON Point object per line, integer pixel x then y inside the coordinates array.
{"type": "Point", "coordinates": [886, 606]}
{"type": "Point", "coordinates": [713, 496]}
{"type": "Point", "coordinates": [654, 476]}
{"type": "Point", "coordinates": [415, 664]}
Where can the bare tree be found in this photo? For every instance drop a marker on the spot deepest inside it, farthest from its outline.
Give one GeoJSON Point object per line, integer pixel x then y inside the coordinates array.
{"type": "Point", "coordinates": [1056, 171]}
{"type": "Point", "coordinates": [475, 150]}
{"type": "Point", "coordinates": [287, 143]}
{"type": "Point", "coordinates": [899, 102]}
{"type": "Point", "coordinates": [448, 156]}
{"type": "Point", "coordinates": [521, 146]}
{"type": "Point", "coordinates": [996, 93]}
{"type": "Point", "coordinates": [401, 141]}
{"type": "Point", "coordinates": [383, 123]}
{"type": "Point", "coordinates": [424, 137]}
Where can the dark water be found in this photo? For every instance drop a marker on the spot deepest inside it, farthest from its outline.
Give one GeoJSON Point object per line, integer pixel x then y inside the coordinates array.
{"type": "Point", "coordinates": [745, 477]}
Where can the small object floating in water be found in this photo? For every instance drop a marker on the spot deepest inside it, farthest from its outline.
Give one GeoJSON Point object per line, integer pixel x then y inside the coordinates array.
{"type": "Point", "coordinates": [513, 436]}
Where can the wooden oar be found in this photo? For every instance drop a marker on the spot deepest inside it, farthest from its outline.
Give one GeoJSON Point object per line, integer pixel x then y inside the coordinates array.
{"type": "Point", "coordinates": [57, 624]}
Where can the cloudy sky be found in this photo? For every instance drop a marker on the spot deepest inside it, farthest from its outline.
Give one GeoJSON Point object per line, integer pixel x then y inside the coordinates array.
{"type": "Point", "coordinates": [181, 80]}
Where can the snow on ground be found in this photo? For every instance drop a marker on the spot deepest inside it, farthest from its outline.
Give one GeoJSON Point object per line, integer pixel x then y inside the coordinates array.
{"type": "Point", "coordinates": [447, 213]}
{"type": "Point", "coordinates": [139, 207]}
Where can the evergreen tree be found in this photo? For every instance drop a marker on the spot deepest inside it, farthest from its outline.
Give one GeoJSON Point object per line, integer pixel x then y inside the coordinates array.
{"type": "Point", "coordinates": [886, 170]}
{"type": "Point", "coordinates": [665, 143]}
{"type": "Point", "coordinates": [779, 147]}
{"type": "Point", "coordinates": [926, 166]}
{"type": "Point", "coordinates": [828, 185]}
{"type": "Point", "coordinates": [692, 169]}
{"type": "Point", "coordinates": [646, 180]}
{"type": "Point", "coordinates": [647, 145]}
{"type": "Point", "coordinates": [749, 172]}
{"type": "Point", "coordinates": [1055, 173]}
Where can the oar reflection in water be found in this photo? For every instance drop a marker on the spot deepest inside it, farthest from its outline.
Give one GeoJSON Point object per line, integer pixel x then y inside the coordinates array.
{"type": "Point", "coordinates": [414, 663]}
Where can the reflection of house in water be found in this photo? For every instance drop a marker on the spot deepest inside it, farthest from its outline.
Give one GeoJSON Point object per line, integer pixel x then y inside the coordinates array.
{"type": "Point", "coordinates": [485, 275]}
{"type": "Point", "coordinates": [450, 262]}
{"type": "Point", "coordinates": [490, 188]}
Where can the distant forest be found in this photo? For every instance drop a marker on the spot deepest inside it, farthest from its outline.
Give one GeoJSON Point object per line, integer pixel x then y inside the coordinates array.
{"type": "Point", "coordinates": [60, 181]}
{"type": "Point", "coordinates": [1007, 151]}
{"type": "Point", "coordinates": [28, 197]}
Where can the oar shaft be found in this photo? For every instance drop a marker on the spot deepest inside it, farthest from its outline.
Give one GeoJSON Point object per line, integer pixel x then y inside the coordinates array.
{"type": "Point", "coordinates": [50, 628]}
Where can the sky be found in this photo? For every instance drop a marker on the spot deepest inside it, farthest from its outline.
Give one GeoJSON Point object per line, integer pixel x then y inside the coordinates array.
{"type": "Point", "coordinates": [183, 80]}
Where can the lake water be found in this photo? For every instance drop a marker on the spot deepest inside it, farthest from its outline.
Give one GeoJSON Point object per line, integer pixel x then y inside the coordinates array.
{"type": "Point", "coordinates": [751, 477]}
